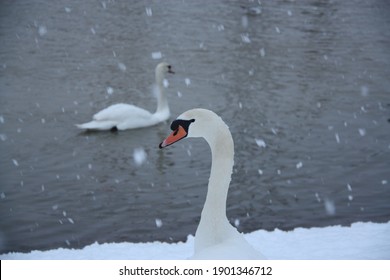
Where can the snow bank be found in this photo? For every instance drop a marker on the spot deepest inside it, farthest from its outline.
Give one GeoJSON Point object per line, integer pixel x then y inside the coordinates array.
{"type": "Point", "coordinates": [360, 241]}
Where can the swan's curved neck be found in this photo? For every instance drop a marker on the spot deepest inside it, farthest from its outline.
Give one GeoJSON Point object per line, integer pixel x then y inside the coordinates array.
{"type": "Point", "coordinates": [162, 100]}
{"type": "Point", "coordinates": [214, 226]}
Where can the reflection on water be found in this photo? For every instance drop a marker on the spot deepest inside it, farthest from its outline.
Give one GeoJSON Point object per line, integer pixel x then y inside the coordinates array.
{"type": "Point", "coordinates": [303, 87]}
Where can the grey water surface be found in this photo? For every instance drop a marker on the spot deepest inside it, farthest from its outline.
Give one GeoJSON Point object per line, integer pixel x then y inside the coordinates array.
{"type": "Point", "coordinates": [304, 87]}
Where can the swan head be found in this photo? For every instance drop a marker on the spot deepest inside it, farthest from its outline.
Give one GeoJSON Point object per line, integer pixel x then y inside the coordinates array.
{"type": "Point", "coordinates": [163, 68]}
{"type": "Point", "coordinates": [194, 123]}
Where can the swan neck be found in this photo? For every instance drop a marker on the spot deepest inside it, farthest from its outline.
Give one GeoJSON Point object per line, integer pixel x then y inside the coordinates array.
{"type": "Point", "coordinates": [159, 77]}
{"type": "Point", "coordinates": [220, 176]}
{"type": "Point", "coordinates": [213, 218]}
{"type": "Point", "coordinates": [162, 100]}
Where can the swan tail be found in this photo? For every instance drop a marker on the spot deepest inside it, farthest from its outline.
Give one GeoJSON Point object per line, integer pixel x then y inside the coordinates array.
{"type": "Point", "coordinates": [96, 125]}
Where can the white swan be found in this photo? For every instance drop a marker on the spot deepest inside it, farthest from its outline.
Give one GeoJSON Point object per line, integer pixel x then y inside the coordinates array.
{"type": "Point", "coordinates": [125, 116]}
{"type": "Point", "coordinates": [215, 237]}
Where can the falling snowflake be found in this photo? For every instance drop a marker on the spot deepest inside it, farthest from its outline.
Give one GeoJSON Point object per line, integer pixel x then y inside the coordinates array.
{"type": "Point", "coordinates": [122, 66]}
{"type": "Point", "coordinates": [149, 12]}
{"type": "Point", "coordinates": [260, 143]}
{"type": "Point", "coordinates": [42, 30]}
{"type": "Point", "coordinates": [156, 55]}
{"type": "Point", "coordinates": [159, 223]}
{"type": "Point", "coordinates": [139, 156]}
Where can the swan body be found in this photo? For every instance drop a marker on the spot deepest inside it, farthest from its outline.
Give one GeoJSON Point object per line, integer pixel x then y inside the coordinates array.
{"type": "Point", "coordinates": [126, 116]}
{"type": "Point", "coordinates": [215, 237]}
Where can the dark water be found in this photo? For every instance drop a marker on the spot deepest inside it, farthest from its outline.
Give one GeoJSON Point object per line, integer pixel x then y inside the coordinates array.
{"type": "Point", "coordinates": [304, 87]}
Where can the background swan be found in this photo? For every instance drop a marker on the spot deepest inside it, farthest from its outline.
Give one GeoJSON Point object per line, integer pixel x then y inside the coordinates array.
{"type": "Point", "coordinates": [125, 116]}
{"type": "Point", "coordinates": [215, 237]}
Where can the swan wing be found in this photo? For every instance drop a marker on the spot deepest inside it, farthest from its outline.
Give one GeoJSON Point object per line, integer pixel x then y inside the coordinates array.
{"type": "Point", "coordinates": [121, 112]}
{"type": "Point", "coordinates": [125, 116]}
{"type": "Point", "coordinates": [122, 116]}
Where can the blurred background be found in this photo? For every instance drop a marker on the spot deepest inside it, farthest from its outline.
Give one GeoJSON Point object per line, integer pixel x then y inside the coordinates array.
{"type": "Point", "coordinates": [303, 85]}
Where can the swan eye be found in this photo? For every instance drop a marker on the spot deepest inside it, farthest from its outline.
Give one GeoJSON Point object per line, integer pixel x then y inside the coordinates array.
{"type": "Point", "coordinates": [183, 123]}
{"type": "Point", "coordinates": [169, 69]}
{"type": "Point", "coordinates": [174, 125]}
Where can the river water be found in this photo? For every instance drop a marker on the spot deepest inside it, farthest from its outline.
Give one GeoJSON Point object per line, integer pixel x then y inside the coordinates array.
{"type": "Point", "coordinates": [304, 87]}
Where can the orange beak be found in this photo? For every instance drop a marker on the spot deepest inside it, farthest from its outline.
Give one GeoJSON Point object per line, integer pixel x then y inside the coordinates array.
{"type": "Point", "coordinates": [175, 136]}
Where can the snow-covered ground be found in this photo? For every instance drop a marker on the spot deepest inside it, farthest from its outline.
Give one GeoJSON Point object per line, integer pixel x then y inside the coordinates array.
{"type": "Point", "coordinates": [360, 241]}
